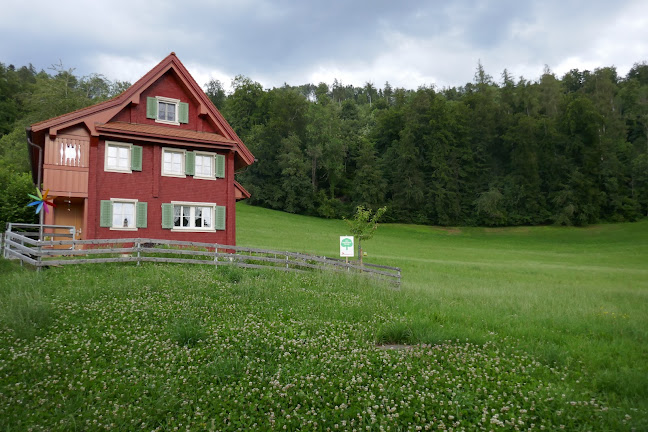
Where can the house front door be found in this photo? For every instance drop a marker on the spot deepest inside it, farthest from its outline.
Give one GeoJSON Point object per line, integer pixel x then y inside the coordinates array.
{"type": "Point", "coordinates": [69, 211]}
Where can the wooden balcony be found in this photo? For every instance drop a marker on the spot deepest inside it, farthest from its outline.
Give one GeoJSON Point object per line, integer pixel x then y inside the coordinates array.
{"type": "Point", "coordinates": [65, 168]}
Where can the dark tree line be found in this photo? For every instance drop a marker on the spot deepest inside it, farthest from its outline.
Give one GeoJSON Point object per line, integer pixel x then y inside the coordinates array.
{"type": "Point", "coordinates": [570, 150]}
{"type": "Point", "coordinates": [563, 150]}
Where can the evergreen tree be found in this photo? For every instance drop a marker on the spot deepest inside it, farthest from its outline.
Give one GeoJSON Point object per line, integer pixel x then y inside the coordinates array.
{"type": "Point", "coordinates": [369, 182]}
{"type": "Point", "coordinates": [525, 202]}
{"type": "Point", "coordinates": [216, 93]}
{"type": "Point", "coordinates": [447, 162]}
{"type": "Point", "coordinates": [246, 106]}
{"type": "Point", "coordinates": [295, 186]}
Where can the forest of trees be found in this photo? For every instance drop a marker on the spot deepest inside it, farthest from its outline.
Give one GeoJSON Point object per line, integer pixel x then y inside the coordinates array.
{"type": "Point", "coordinates": [570, 150]}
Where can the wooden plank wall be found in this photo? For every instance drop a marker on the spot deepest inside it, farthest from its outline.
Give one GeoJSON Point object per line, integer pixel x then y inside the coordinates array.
{"type": "Point", "coordinates": [65, 169]}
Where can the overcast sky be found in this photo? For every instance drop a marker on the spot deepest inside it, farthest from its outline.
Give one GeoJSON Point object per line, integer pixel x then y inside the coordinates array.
{"type": "Point", "coordinates": [408, 43]}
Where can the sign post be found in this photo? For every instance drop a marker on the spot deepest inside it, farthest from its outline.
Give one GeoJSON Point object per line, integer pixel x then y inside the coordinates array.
{"type": "Point", "coordinates": [346, 247]}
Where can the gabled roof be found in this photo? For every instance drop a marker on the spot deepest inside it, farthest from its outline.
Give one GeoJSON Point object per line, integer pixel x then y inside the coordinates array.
{"type": "Point", "coordinates": [96, 116]}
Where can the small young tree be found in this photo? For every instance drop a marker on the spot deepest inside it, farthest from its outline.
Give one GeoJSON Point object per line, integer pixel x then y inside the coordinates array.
{"type": "Point", "coordinates": [364, 224]}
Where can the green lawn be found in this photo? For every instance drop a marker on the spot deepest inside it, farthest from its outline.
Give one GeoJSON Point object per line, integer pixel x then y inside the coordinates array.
{"type": "Point", "coordinates": [516, 328]}
{"type": "Point", "coordinates": [566, 294]}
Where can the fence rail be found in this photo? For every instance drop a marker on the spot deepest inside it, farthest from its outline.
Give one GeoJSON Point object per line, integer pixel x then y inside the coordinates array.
{"type": "Point", "coordinates": [40, 232]}
{"type": "Point", "coordinates": [43, 253]}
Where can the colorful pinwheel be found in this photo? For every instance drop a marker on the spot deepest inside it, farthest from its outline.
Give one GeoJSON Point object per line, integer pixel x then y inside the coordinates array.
{"type": "Point", "coordinates": [40, 200]}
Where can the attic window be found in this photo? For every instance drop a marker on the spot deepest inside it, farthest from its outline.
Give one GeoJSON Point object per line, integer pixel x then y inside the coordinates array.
{"type": "Point", "coordinates": [167, 110]}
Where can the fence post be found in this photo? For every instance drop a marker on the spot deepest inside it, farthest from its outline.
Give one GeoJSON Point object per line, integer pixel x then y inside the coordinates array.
{"type": "Point", "coordinates": [40, 249]}
{"type": "Point", "coordinates": [22, 243]}
{"type": "Point", "coordinates": [5, 254]}
{"type": "Point", "coordinates": [216, 255]}
{"type": "Point", "coordinates": [286, 261]}
{"type": "Point", "coordinates": [137, 245]}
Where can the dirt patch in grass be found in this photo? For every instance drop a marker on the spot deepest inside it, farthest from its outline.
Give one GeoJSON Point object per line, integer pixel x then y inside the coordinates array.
{"type": "Point", "coordinates": [394, 347]}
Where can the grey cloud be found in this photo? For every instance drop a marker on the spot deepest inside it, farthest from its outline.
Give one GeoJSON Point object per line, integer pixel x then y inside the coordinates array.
{"type": "Point", "coordinates": [287, 40]}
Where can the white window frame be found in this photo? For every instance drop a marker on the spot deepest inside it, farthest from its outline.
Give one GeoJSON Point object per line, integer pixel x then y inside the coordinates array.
{"type": "Point", "coordinates": [192, 219]}
{"type": "Point", "coordinates": [109, 168]}
{"type": "Point", "coordinates": [167, 100]}
{"type": "Point", "coordinates": [213, 165]}
{"type": "Point", "coordinates": [124, 201]}
{"type": "Point", "coordinates": [182, 158]}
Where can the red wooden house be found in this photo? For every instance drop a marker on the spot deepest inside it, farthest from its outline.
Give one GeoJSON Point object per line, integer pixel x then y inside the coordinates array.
{"type": "Point", "coordinates": [157, 161]}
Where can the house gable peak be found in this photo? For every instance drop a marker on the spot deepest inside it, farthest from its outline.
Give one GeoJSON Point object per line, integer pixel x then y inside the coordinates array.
{"type": "Point", "coordinates": [103, 112]}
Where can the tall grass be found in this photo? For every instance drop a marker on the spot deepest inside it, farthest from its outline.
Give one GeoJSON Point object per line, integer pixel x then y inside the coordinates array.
{"type": "Point", "coordinates": [568, 295]}
{"type": "Point", "coordinates": [164, 346]}
{"type": "Point", "coordinates": [24, 309]}
{"type": "Point", "coordinates": [553, 319]}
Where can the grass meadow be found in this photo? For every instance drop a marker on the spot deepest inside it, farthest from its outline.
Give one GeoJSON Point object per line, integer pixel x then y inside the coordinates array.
{"type": "Point", "coordinates": [534, 328]}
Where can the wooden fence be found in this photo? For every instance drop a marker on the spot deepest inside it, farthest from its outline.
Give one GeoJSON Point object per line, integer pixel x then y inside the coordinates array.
{"type": "Point", "coordinates": [40, 232]}
{"type": "Point", "coordinates": [64, 252]}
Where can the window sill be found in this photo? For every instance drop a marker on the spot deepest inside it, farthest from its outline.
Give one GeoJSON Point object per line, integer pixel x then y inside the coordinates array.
{"type": "Point", "coordinates": [175, 123]}
{"type": "Point", "coordinates": [205, 178]}
{"type": "Point", "coordinates": [115, 170]}
{"type": "Point", "coordinates": [193, 230]}
{"type": "Point", "coordinates": [123, 229]}
{"type": "Point", "coordinates": [174, 175]}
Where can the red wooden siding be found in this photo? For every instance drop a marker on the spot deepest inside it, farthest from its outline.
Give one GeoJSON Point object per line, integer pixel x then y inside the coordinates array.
{"type": "Point", "coordinates": [151, 187]}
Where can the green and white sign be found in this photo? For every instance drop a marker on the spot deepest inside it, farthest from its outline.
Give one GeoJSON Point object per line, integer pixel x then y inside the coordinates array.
{"type": "Point", "coordinates": [346, 246]}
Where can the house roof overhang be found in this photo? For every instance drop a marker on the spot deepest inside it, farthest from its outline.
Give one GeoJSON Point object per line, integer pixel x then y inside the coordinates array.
{"type": "Point", "coordinates": [240, 192]}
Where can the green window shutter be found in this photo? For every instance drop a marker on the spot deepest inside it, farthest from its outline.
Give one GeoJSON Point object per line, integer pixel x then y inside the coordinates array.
{"type": "Point", "coordinates": [105, 214]}
{"type": "Point", "coordinates": [190, 163]}
{"type": "Point", "coordinates": [151, 108]}
{"type": "Point", "coordinates": [220, 217]}
{"type": "Point", "coordinates": [142, 208]}
{"type": "Point", "coordinates": [136, 158]}
{"type": "Point", "coordinates": [183, 112]}
{"type": "Point", "coordinates": [220, 166]}
{"type": "Point", "coordinates": [167, 216]}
